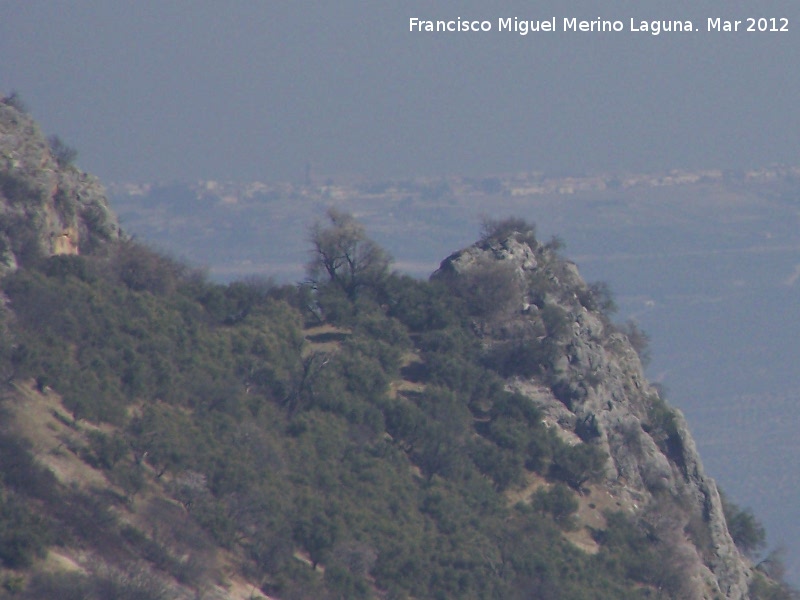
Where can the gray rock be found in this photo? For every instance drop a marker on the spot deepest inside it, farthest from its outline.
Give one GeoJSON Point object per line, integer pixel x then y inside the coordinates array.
{"type": "Point", "coordinates": [592, 388]}
{"type": "Point", "coordinates": [45, 208]}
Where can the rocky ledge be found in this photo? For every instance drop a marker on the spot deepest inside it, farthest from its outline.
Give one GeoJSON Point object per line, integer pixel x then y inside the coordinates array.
{"type": "Point", "coordinates": [47, 205]}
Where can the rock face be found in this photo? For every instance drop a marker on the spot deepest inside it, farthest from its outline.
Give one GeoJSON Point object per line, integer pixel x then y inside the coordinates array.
{"type": "Point", "coordinates": [564, 354]}
{"type": "Point", "coordinates": [46, 207]}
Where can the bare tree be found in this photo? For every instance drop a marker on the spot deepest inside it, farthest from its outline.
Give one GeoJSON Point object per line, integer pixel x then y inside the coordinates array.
{"type": "Point", "coordinates": [345, 255]}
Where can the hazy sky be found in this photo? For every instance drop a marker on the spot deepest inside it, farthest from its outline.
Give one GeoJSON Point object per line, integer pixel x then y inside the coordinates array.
{"type": "Point", "coordinates": [165, 90]}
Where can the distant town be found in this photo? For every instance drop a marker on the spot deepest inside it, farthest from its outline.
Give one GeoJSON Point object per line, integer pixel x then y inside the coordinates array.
{"type": "Point", "coordinates": [518, 184]}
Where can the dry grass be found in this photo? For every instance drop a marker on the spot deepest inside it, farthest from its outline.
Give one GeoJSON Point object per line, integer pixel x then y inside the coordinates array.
{"type": "Point", "coordinates": [56, 442]}
{"type": "Point", "coordinates": [55, 439]}
{"type": "Point", "coordinates": [594, 501]}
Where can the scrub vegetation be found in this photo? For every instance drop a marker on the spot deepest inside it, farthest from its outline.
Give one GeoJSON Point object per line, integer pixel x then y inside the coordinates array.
{"type": "Point", "coordinates": [348, 437]}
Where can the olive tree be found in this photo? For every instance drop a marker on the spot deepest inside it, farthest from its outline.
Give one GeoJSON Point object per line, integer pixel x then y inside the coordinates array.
{"type": "Point", "coordinates": [344, 255]}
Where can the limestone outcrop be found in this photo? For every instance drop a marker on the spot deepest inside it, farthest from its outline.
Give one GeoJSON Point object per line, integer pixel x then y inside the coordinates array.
{"type": "Point", "coordinates": [567, 357]}
{"type": "Point", "coordinates": [47, 206]}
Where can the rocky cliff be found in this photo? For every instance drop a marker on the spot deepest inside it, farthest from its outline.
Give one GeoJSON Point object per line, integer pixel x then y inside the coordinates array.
{"type": "Point", "coordinates": [47, 205]}
{"type": "Point", "coordinates": [550, 330]}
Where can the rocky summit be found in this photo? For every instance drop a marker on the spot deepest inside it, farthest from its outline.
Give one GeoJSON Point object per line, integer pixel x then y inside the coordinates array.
{"type": "Point", "coordinates": [590, 384]}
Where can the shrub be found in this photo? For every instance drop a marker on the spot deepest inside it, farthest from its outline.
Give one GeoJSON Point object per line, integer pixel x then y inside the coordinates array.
{"type": "Point", "coordinates": [95, 218]}
{"type": "Point", "coordinates": [316, 530]}
{"type": "Point", "coordinates": [598, 297]}
{"type": "Point", "coordinates": [575, 465]}
{"type": "Point", "coordinates": [559, 502]}
{"type": "Point", "coordinates": [62, 585]}
{"type": "Point", "coordinates": [132, 583]}
{"type": "Point", "coordinates": [421, 306]}
{"type": "Point", "coordinates": [638, 338]}
{"type": "Point", "coordinates": [107, 450]}
{"type": "Point", "coordinates": [23, 534]}
{"type": "Point", "coordinates": [504, 468]}
{"type": "Point", "coordinates": [15, 101]}
{"type": "Point", "coordinates": [662, 426]}
{"type": "Point", "coordinates": [342, 583]}
{"type": "Point", "coordinates": [67, 265]}
{"type": "Point", "coordinates": [488, 289]}
{"type": "Point", "coordinates": [523, 357]}
{"type": "Point", "coordinates": [500, 229]}
{"type": "Point", "coordinates": [557, 321]}
{"type": "Point", "coordinates": [21, 473]}
{"type": "Point", "coordinates": [63, 154]}
{"type": "Point", "coordinates": [764, 588]}
{"type": "Point", "coordinates": [345, 256]}
{"type": "Point", "coordinates": [747, 533]}
{"type": "Point", "coordinates": [141, 269]}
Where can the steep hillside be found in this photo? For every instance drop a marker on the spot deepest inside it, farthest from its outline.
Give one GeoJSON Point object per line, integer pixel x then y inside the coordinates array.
{"type": "Point", "coordinates": [485, 434]}
{"type": "Point", "coordinates": [547, 330]}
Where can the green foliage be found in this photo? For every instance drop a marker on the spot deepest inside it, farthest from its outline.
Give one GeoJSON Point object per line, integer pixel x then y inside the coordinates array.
{"type": "Point", "coordinates": [19, 471]}
{"type": "Point", "coordinates": [576, 465]}
{"type": "Point", "coordinates": [64, 154]}
{"type": "Point", "coordinates": [768, 581]}
{"type": "Point", "coordinates": [333, 304]}
{"type": "Point", "coordinates": [23, 534]}
{"type": "Point", "coordinates": [662, 425]}
{"type": "Point", "coordinates": [556, 321]}
{"type": "Point", "coordinates": [747, 533]}
{"type": "Point", "coordinates": [555, 244]}
{"type": "Point", "coordinates": [344, 585]}
{"type": "Point", "coordinates": [102, 345]}
{"type": "Point", "coordinates": [638, 338]}
{"type": "Point", "coordinates": [421, 306]}
{"type": "Point", "coordinates": [559, 502]}
{"type": "Point", "coordinates": [346, 256]}
{"type": "Point", "coordinates": [316, 529]}
{"type": "Point", "coordinates": [498, 230]}
{"type": "Point", "coordinates": [141, 269]}
{"type": "Point", "coordinates": [487, 289]}
{"type": "Point", "coordinates": [764, 588]}
{"type": "Point", "coordinates": [96, 219]}
{"type": "Point", "coordinates": [515, 426]}
{"type": "Point", "coordinates": [14, 100]}
{"type": "Point", "coordinates": [277, 446]}
{"type": "Point", "coordinates": [131, 583]}
{"type": "Point", "coordinates": [106, 450]}
{"type": "Point", "coordinates": [505, 468]}
{"type": "Point", "coordinates": [19, 234]}
{"type": "Point", "coordinates": [628, 548]}
{"type": "Point", "coordinates": [598, 297]}
{"type": "Point", "coordinates": [66, 266]}
{"type": "Point", "coordinates": [522, 357]}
